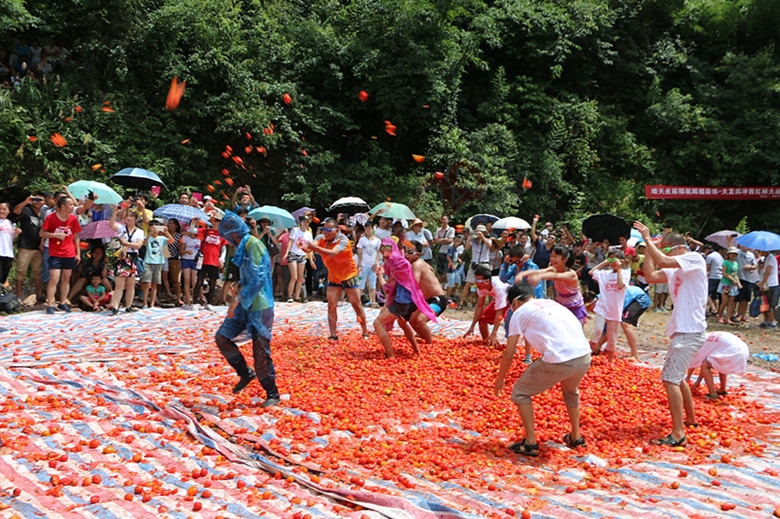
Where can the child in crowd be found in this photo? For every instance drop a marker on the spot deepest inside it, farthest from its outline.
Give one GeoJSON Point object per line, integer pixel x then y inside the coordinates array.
{"type": "Point", "coordinates": [454, 264]}
{"type": "Point", "coordinates": [97, 297]}
{"type": "Point", "coordinates": [613, 280]}
{"type": "Point", "coordinates": [729, 286]}
{"type": "Point", "coordinates": [8, 231]}
{"type": "Point", "coordinates": [153, 261]}
{"type": "Point", "coordinates": [189, 247]}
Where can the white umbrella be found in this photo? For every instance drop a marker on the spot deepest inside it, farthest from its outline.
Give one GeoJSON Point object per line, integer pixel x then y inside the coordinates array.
{"type": "Point", "coordinates": [349, 204]}
{"type": "Point", "coordinates": [511, 222]}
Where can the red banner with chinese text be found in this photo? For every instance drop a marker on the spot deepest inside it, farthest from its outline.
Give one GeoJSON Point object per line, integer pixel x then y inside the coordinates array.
{"type": "Point", "coordinates": [712, 193]}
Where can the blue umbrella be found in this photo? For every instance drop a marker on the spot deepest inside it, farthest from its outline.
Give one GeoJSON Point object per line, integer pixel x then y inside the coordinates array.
{"type": "Point", "coordinates": [137, 178]}
{"type": "Point", "coordinates": [280, 218]}
{"type": "Point", "coordinates": [103, 194]}
{"type": "Point", "coordinates": [183, 213]}
{"type": "Point", "coordinates": [760, 240]}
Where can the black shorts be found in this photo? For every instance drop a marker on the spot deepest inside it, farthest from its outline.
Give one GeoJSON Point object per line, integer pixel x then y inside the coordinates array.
{"type": "Point", "coordinates": [712, 287]}
{"type": "Point", "coordinates": [438, 304]}
{"type": "Point", "coordinates": [233, 272]}
{"type": "Point", "coordinates": [745, 293]}
{"type": "Point", "coordinates": [632, 313]}
{"type": "Point", "coordinates": [441, 263]}
{"type": "Point", "coordinates": [402, 310]}
{"type": "Point", "coordinates": [353, 282]}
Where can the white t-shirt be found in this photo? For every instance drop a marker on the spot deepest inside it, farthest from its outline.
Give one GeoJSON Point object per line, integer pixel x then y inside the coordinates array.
{"type": "Point", "coordinates": [480, 251]}
{"type": "Point", "coordinates": [715, 265]}
{"type": "Point", "coordinates": [770, 262]}
{"type": "Point", "coordinates": [382, 233]}
{"type": "Point", "coordinates": [136, 236]}
{"type": "Point", "coordinates": [726, 352]}
{"type": "Point", "coordinates": [298, 236]}
{"type": "Point", "coordinates": [688, 289]}
{"type": "Point", "coordinates": [7, 230]}
{"type": "Point", "coordinates": [370, 248]}
{"type": "Point", "coordinates": [747, 258]}
{"type": "Point", "coordinates": [610, 302]}
{"type": "Point", "coordinates": [192, 244]}
{"type": "Point", "coordinates": [498, 292]}
{"type": "Point", "coordinates": [551, 329]}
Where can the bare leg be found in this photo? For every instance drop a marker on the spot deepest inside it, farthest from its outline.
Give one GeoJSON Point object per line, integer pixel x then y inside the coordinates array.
{"type": "Point", "coordinates": [145, 293]}
{"type": "Point", "coordinates": [353, 296]}
{"type": "Point", "coordinates": [464, 294]}
{"type": "Point", "coordinates": [483, 330]}
{"type": "Point", "coordinates": [527, 416]}
{"type": "Point", "coordinates": [706, 372]}
{"type": "Point", "coordinates": [119, 289]}
{"type": "Point", "coordinates": [129, 292]}
{"type": "Point", "coordinates": [674, 393]}
{"type": "Point", "coordinates": [154, 295]}
{"type": "Point", "coordinates": [65, 285]}
{"type": "Point", "coordinates": [722, 377]}
{"type": "Point", "coordinates": [77, 286]}
{"type": "Point", "coordinates": [574, 420]}
{"type": "Point", "coordinates": [409, 333]}
{"type": "Point", "coordinates": [333, 303]}
{"type": "Point", "coordinates": [382, 319]}
{"type": "Point", "coordinates": [630, 332]}
{"type": "Point", "coordinates": [51, 288]}
{"type": "Point", "coordinates": [420, 324]}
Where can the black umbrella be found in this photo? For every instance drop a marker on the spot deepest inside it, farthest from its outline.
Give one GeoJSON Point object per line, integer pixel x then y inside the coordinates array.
{"type": "Point", "coordinates": [14, 195]}
{"type": "Point", "coordinates": [600, 227]}
{"type": "Point", "coordinates": [137, 178]}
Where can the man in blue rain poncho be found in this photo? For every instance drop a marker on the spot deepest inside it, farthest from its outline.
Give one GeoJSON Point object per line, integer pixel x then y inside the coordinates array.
{"type": "Point", "coordinates": [252, 309]}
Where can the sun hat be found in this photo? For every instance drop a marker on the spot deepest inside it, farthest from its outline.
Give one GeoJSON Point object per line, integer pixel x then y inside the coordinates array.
{"type": "Point", "coordinates": [417, 221]}
{"type": "Point", "coordinates": [481, 228]}
{"type": "Point", "coordinates": [732, 250]}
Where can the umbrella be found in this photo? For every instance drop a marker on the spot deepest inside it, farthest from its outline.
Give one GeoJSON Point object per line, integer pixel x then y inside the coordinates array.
{"type": "Point", "coordinates": [392, 210]}
{"type": "Point", "coordinates": [722, 237]}
{"type": "Point", "coordinates": [482, 219]}
{"type": "Point", "coordinates": [280, 218]}
{"type": "Point", "coordinates": [183, 213]}
{"type": "Point", "coordinates": [103, 193]}
{"type": "Point", "coordinates": [349, 204]}
{"type": "Point", "coordinates": [14, 195]}
{"type": "Point", "coordinates": [600, 227]}
{"type": "Point", "coordinates": [302, 211]}
{"type": "Point", "coordinates": [97, 230]}
{"type": "Point", "coordinates": [137, 178]}
{"type": "Point", "coordinates": [760, 240]}
{"type": "Point", "coordinates": [511, 222]}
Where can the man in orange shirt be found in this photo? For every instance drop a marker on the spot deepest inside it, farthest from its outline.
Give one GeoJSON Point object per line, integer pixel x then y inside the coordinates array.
{"type": "Point", "coordinates": [337, 255]}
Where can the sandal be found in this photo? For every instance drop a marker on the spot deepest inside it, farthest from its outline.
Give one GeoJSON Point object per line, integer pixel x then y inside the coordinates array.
{"type": "Point", "coordinates": [366, 336]}
{"type": "Point", "coordinates": [670, 441]}
{"type": "Point", "coordinates": [712, 397]}
{"type": "Point", "coordinates": [723, 393]}
{"type": "Point", "coordinates": [333, 338]}
{"type": "Point", "coordinates": [525, 448]}
{"type": "Point", "coordinates": [573, 444]}
{"type": "Point", "coordinates": [694, 425]}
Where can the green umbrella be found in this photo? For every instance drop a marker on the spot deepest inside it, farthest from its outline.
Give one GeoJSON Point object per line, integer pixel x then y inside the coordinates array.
{"type": "Point", "coordinates": [102, 193]}
{"type": "Point", "coordinates": [392, 210]}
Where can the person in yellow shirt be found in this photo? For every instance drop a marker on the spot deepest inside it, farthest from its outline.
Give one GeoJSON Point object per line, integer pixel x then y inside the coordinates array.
{"type": "Point", "coordinates": [337, 255]}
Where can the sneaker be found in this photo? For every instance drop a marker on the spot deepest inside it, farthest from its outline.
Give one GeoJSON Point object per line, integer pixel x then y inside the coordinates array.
{"type": "Point", "coordinates": [115, 311]}
{"type": "Point", "coordinates": [768, 325]}
{"type": "Point", "coordinates": [243, 382]}
{"type": "Point", "coordinates": [130, 310]}
{"type": "Point", "coordinates": [65, 307]}
{"type": "Point", "coordinates": [50, 310]}
{"type": "Point", "coordinates": [291, 300]}
{"type": "Point", "coordinates": [195, 307]}
{"type": "Point", "coordinates": [144, 307]}
{"type": "Point", "coordinates": [270, 402]}
{"type": "Point", "coordinates": [208, 307]}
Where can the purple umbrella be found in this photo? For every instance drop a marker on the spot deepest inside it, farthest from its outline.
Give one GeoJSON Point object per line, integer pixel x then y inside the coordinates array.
{"type": "Point", "coordinates": [302, 211]}
{"type": "Point", "coordinates": [97, 230]}
{"type": "Point", "coordinates": [722, 237]}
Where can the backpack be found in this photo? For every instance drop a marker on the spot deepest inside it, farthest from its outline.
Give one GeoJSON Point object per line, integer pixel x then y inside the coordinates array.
{"type": "Point", "coordinates": [9, 303]}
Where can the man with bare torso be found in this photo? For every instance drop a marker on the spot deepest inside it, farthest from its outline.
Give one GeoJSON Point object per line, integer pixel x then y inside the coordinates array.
{"type": "Point", "coordinates": [431, 289]}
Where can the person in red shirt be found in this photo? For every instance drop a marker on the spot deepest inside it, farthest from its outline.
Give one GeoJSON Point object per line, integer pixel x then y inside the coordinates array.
{"type": "Point", "coordinates": [62, 229]}
{"type": "Point", "coordinates": [213, 251]}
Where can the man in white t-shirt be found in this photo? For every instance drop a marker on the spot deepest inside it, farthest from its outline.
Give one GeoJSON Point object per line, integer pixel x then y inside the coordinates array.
{"type": "Point", "coordinates": [445, 236]}
{"type": "Point", "coordinates": [714, 274]}
{"type": "Point", "coordinates": [748, 277]}
{"type": "Point", "coordinates": [383, 229]}
{"type": "Point", "coordinates": [368, 259]}
{"type": "Point", "coordinates": [686, 274]}
{"type": "Point", "coordinates": [552, 330]}
{"type": "Point", "coordinates": [768, 284]}
{"type": "Point", "coordinates": [492, 286]}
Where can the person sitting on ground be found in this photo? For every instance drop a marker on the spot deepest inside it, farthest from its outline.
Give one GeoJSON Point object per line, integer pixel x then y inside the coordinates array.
{"type": "Point", "coordinates": [403, 297]}
{"type": "Point", "coordinates": [725, 353]}
{"type": "Point", "coordinates": [97, 297]}
{"type": "Point", "coordinates": [553, 331]}
{"type": "Point", "coordinates": [96, 263]}
{"type": "Point", "coordinates": [495, 311]}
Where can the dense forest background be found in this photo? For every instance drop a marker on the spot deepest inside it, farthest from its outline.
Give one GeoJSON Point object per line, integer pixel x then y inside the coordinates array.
{"type": "Point", "coordinates": [585, 100]}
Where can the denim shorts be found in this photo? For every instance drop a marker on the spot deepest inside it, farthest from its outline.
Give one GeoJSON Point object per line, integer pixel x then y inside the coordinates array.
{"type": "Point", "coordinates": [57, 263]}
{"type": "Point", "coordinates": [190, 264]}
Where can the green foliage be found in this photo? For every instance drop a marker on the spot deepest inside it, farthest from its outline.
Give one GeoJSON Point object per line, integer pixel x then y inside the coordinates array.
{"type": "Point", "coordinates": [588, 100]}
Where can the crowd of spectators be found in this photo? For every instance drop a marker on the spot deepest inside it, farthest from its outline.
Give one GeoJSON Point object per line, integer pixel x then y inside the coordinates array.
{"type": "Point", "coordinates": [195, 267]}
{"type": "Point", "coordinates": [21, 60]}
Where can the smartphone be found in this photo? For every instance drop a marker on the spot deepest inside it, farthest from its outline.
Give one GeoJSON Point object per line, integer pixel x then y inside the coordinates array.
{"type": "Point", "coordinates": [160, 228]}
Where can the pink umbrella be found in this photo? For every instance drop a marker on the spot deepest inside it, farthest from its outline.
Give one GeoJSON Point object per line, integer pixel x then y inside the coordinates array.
{"type": "Point", "coordinates": [722, 238]}
{"type": "Point", "coordinates": [97, 230]}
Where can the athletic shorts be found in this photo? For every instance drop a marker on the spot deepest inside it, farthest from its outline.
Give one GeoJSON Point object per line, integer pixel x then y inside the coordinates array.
{"type": "Point", "coordinates": [682, 349]}
{"type": "Point", "coordinates": [632, 313]}
{"type": "Point", "coordinates": [190, 264]}
{"type": "Point", "coordinates": [402, 310]}
{"type": "Point", "coordinates": [438, 304]}
{"type": "Point", "coordinates": [152, 274]}
{"type": "Point", "coordinates": [745, 293]}
{"type": "Point", "coordinates": [353, 282]}
{"type": "Point", "coordinates": [56, 263]}
{"type": "Point", "coordinates": [233, 272]}
{"type": "Point", "coordinates": [712, 288]}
